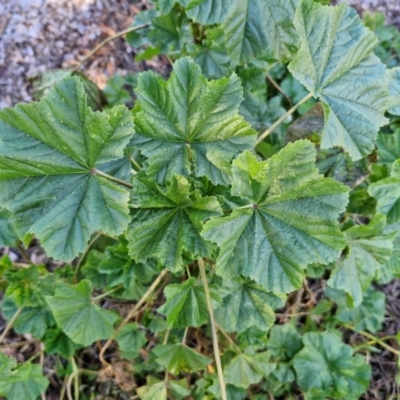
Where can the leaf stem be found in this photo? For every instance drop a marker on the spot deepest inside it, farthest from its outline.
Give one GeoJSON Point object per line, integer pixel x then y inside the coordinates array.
{"type": "Point", "coordinates": [230, 340]}
{"type": "Point", "coordinates": [112, 178]}
{"type": "Point", "coordinates": [108, 40]}
{"type": "Point", "coordinates": [131, 314]}
{"type": "Point", "coordinates": [11, 323]}
{"type": "Point", "coordinates": [134, 163]}
{"type": "Point", "coordinates": [184, 335]}
{"type": "Point", "coordinates": [105, 294]}
{"type": "Point", "coordinates": [74, 376]}
{"type": "Point", "coordinates": [24, 253]}
{"type": "Point", "coordinates": [79, 263]}
{"type": "Point", "coordinates": [281, 119]}
{"type": "Point", "coordinates": [213, 329]}
{"type": "Point", "coordinates": [375, 339]}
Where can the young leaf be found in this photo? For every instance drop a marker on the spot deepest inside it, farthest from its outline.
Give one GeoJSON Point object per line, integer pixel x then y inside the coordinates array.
{"type": "Point", "coordinates": [369, 248]}
{"type": "Point", "coordinates": [57, 342]}
{"type": "Point", "coordinates": [387, 194]}
{"type": "Point", "coordinates": [186, 304]}
{"type": "Point", "coordinates": [25, 381]}
{"type": "Point", "coordinates": [188, 123]}
{"type": "Point", "coordinates": [32, 320]}
{"type": "Point", "coordinates": [48, 155]}
{"type": "Point", "coordinates": [177, 358]}
{"type": "Point", "coordinates": [130, 339]}
{"type": "Point", "coordinates": [388, 147]}
{"type": "Point", "coordinates": [368, 315]}
{"type": "Point", "coordinates": [247, 369]}
{"type": "Point", "coordinates": [284, 342]}
{"type": "Point", "coordinates": [167, 222]}
{"type": "Point", "coordinates": [75, 313]}
{"type": "Point", "coordinates": [326, 363]}
{"type": "Point", "coordinates": [159, 390]}
{"type": "Point", "coordinates": [247, 304]}
{"type": "Point", "coordinates": [291, 219]}
{"type": "Point", "coordinates": [8, 236]}
{"type": "Point", "coordinates": [336, 64]}
{"type": "Point", "coordinates": [394, 90]}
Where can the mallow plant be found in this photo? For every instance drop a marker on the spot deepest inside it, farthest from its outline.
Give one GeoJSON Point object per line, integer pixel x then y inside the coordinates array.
{"type": "Point", "coordinates": [193, 228]}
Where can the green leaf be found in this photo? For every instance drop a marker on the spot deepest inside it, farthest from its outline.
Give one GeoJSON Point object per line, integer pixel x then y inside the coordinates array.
{"type": "Point", "coordinates": [186, 304]}
{"type": "Point", "coordinates": [247, 304]}
{"type": "Point", "coordinates": [388, 146]}
{"type": "Point", "coordinates": [177, 358]}
{"type": "Point", "coordinates": [369, 249]}
{"type": "Point", "coordinates": [326, 363]}
{"type": "Point", "coordinates": [159, 390]}
{"type": "Point", "coordinates": [32, 320]}
{"type": "Point", "coordinates": [291, 219]}
{"type": "Point", "coordinates": [247, 369]}
{"type": "Point", "coordinates": [130, 340]}
{"type": "Point", "coordinates": [284, 342]}
{"type": "Point", "coordinates": [336, 64]}
{"type": "Point", "coordinates": [57, 342]}
{"type": "Point", "coordinates": [387, 194]}
{"type": "Point", "coordinates": [368, 315]}
{"type": "Point", "coordinates": [165, 223]}
{"type": "Point", "coordinates": [245, 30]}
{"type": "Point", "coordinates": [282, 35]}
{"type": "Point", "coordinates": [394, 90]}
{"type": "Point", "coordinates": [210, 12]}
{"type": "Point", "coordinates": [190, 124]}
{"type": "Point", "coordinates": [75, 313]}
{"type": "Point", "coordinates": [8, 236]}
{"type": "Point", "coordinates": [48, 155]}
{"type": "Point", "coordinates": [25, 381]}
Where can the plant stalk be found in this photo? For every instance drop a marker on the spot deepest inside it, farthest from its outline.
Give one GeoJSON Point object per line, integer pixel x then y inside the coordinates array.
{"type": "Point", "coordinates": [132, 313]}
{"type": "Point", "coordinates": [375, 339]}
{"type": "Point", "coordinates": [108, 40]}
{"type": "Point", "coordinates": [281, 119]}
{"type": "Point", "coordinates": [112, 178]}
{"type": "Point", "coordinates": [213, 329]}
{"type": "Point", "coordinates": [11, 323]}
{"type": "Point", "coordinates": [105, 294]}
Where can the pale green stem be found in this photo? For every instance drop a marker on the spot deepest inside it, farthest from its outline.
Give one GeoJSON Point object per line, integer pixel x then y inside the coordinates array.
{"type": "Point", "coordinates": [79, 263]}
{"type": "Point", "coordinates": [132, 313]}
{"type": "Point", "coordinates": [105, 294]}
{"type": "Point", "coordinates": [230, 340]}
{"type": "Point", "coordinates": [11, 323]}
{"type": "Point", "coordinates": [135, 164]}
{"type": "Point", "coordinates": [112, 178]}
{"type": "Point", "coordinates": [213, 329]}
{"type": "Point", "coordinates": [75, 376]}
{"type": "Point", "coordinates": [374, 339]}
{"type": "Point", "coordinates": [283, 118]}
{"type": "Point", "coordinates": [108, 40]}
{"type": "Point", "coordinates": [184, 335]}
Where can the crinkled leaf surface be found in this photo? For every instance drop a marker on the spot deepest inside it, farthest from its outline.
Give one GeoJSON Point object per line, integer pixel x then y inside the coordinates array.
{"type": "Point", "coordinates": [247, 369]}
{"type": "Point", "coordinates": [247, 304]}
{"type": "Point", "coordinates": [326, 363]}
{"type": "Point", "coordinates": [130, 339]}
{"type": "Point", "coordinates": [177, 358]}
{"type": "Point", "coordinates": [78, 317]}
{"type": "Point", "coordinates": [368, 315]}
{"type": "Point", "coordinates": [25, 381]}
{"type": "Point", "coordinates": [387, 194]}
{"type": "Point", "coordinates": [210, 12]}
{"type": "Point", "coordinates": [336, 64]}
{"type": "Point", "coordinates": [394, 90]}
{"type": "Point", "coordinates": [166, 222]}
{"type": "Point", "coordinates": [291, 219]}
{"type": "Point", "coordinates": [369, 249]}
{"type": "Point", "coordinates": [8, 236]}
{"type": "Point", "coordinates": [186, 304]}
{"type": "Point", "coordinates": [190, 124]}
{"type": "Point", "coordinates": [48, 152]}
